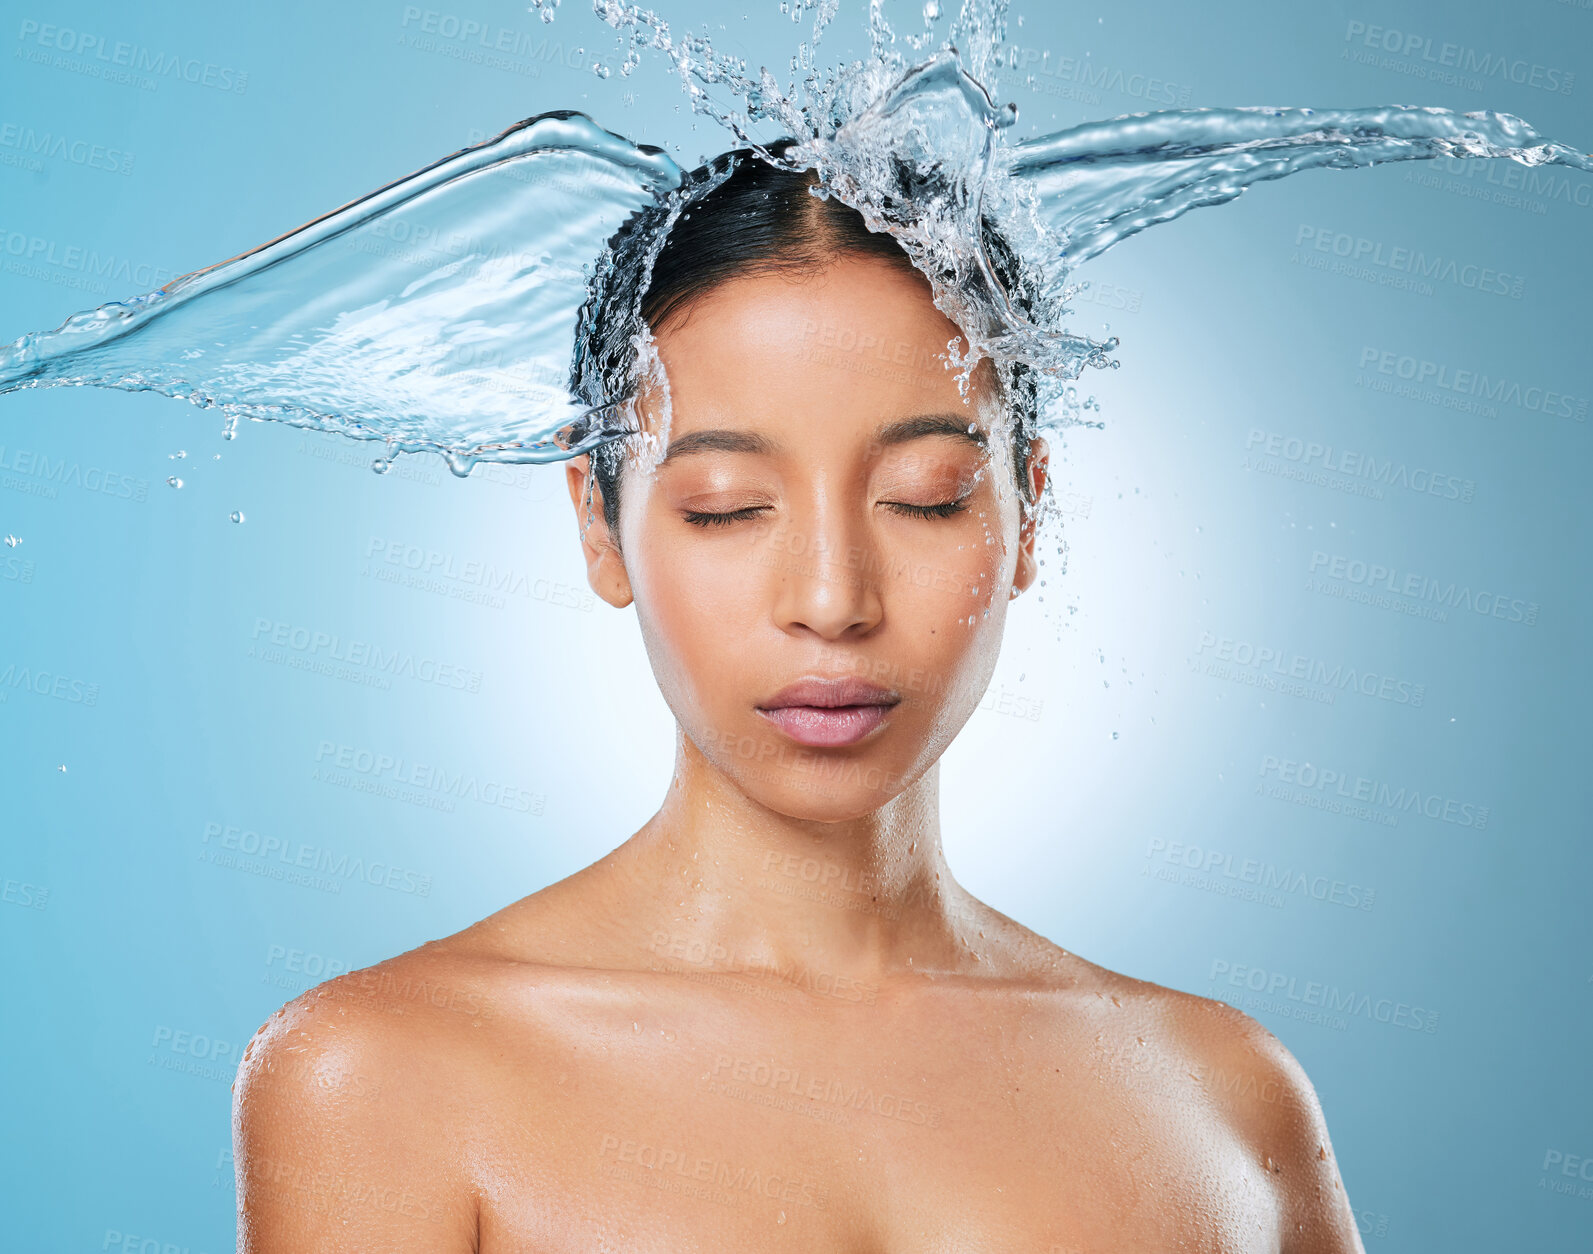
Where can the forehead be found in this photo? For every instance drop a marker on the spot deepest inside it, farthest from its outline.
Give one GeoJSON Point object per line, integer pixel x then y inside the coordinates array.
{"type": "Point", "coordinates": [821, 357]}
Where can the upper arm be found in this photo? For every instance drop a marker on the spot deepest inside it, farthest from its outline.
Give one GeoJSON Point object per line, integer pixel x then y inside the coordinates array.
{"type": "Point", "coordinates": [339, 1138]}
{"type": "Point", "coordinates": [1274, 1109]}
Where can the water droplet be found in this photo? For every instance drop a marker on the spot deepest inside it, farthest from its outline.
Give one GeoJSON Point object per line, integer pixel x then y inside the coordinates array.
{"type": "Point", "coordinates": [13, 541]}
{"type": "Point", "coordinates": [236, 515]}
{"type": "Point", "coordinates": [174, 481]}
{"type": "Point", "coordinates": [62, 768]}
{"type": "Point", "coordinates": [381, 465]}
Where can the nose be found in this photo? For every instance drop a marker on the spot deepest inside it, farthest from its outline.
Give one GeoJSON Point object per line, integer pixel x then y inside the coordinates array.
{"type": "Point", "coordinates": [826, 572]}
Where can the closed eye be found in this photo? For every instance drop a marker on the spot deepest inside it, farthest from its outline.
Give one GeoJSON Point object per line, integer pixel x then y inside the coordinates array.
{"type": "Point", "coordinates": [700, 519]}
{"type": "Point", "coordinates": [944, 510]}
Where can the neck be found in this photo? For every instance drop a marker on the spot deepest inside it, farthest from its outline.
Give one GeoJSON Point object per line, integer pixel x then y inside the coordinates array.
{"type": "Point", "coordinates": [722, 882]}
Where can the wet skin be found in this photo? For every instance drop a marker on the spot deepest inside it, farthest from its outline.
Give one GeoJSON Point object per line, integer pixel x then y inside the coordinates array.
{"type": "Point", "coordinates": [772, 1019]}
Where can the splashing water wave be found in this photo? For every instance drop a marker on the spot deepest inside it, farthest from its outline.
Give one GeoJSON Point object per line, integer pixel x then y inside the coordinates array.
{"type": "Point", "coordinates": [439, 312]}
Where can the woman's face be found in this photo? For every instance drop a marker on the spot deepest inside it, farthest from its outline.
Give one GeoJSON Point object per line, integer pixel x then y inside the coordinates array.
{"type": "Point", "coordinates": [819, 511]}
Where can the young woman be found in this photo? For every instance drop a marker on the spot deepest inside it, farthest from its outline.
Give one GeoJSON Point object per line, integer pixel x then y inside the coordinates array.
{"type": "Point", "coordinates": [772, 1019]}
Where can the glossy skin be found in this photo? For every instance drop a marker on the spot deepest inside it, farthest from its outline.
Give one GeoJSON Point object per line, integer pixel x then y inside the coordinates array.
{"type": "Point", "coordinates": [772, 1019]}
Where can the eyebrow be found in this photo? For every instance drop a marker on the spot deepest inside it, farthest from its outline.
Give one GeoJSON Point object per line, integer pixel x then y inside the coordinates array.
{"type": "Point", "coordinates": [723, 440]}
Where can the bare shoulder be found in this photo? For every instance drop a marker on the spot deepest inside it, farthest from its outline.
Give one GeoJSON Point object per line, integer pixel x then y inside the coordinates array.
{"type": "Point", "coordinates": [1212, 1063]}
{"type": "Point", "coordinates": [347, 1131]}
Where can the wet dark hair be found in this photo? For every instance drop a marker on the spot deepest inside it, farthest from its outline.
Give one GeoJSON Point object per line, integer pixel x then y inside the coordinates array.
{"type": "Point", "coordinates": [758, 218]}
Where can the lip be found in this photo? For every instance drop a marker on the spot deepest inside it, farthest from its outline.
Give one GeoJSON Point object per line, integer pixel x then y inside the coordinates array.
{"type": "Point", "coordinates": [828, 713]}
{"type": "Point", "coordinates": [827, 728]}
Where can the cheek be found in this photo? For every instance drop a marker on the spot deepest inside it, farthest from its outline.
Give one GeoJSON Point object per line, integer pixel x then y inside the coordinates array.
{"type": "Point", "coordinates": [939, 599]}
{"type": "Point", "coordinates": [955, 600]}
{"type": "Point", "coordinates": [694, 601]}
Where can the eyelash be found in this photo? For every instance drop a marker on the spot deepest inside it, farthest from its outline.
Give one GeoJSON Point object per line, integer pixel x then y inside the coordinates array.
{"type": "Point", "coordinates": [944, 510]}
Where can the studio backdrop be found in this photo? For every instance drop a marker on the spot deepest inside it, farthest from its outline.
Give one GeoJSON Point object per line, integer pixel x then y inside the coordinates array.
{"type": "Point", "coordinates": [1294, 717]}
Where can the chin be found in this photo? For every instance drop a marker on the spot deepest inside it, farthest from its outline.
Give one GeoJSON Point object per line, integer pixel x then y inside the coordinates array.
{"type": "Point", "coordinates": [824, 805]}
{"type": "Point", "coordinates": [823, 796]}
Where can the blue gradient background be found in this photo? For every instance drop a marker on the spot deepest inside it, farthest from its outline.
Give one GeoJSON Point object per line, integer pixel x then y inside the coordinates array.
{"type": "Point", "coordinates": [1174, 537]}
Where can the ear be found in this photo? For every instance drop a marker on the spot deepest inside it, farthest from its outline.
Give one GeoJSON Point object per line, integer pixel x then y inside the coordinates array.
{"type": "Point", "coordinates": [1028, 568]}
{"type": "Point", "coordinates": [605, 569]}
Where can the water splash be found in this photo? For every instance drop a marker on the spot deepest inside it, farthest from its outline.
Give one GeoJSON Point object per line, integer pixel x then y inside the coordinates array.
{"type": "Point", "coordinates": [439, 312]}
{"type": "Point", "coordinates": [422, 315]}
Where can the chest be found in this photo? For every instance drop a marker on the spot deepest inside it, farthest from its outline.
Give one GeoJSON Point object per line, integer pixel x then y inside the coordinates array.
{"type": "Point", "coordinates": [859, 1130]}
